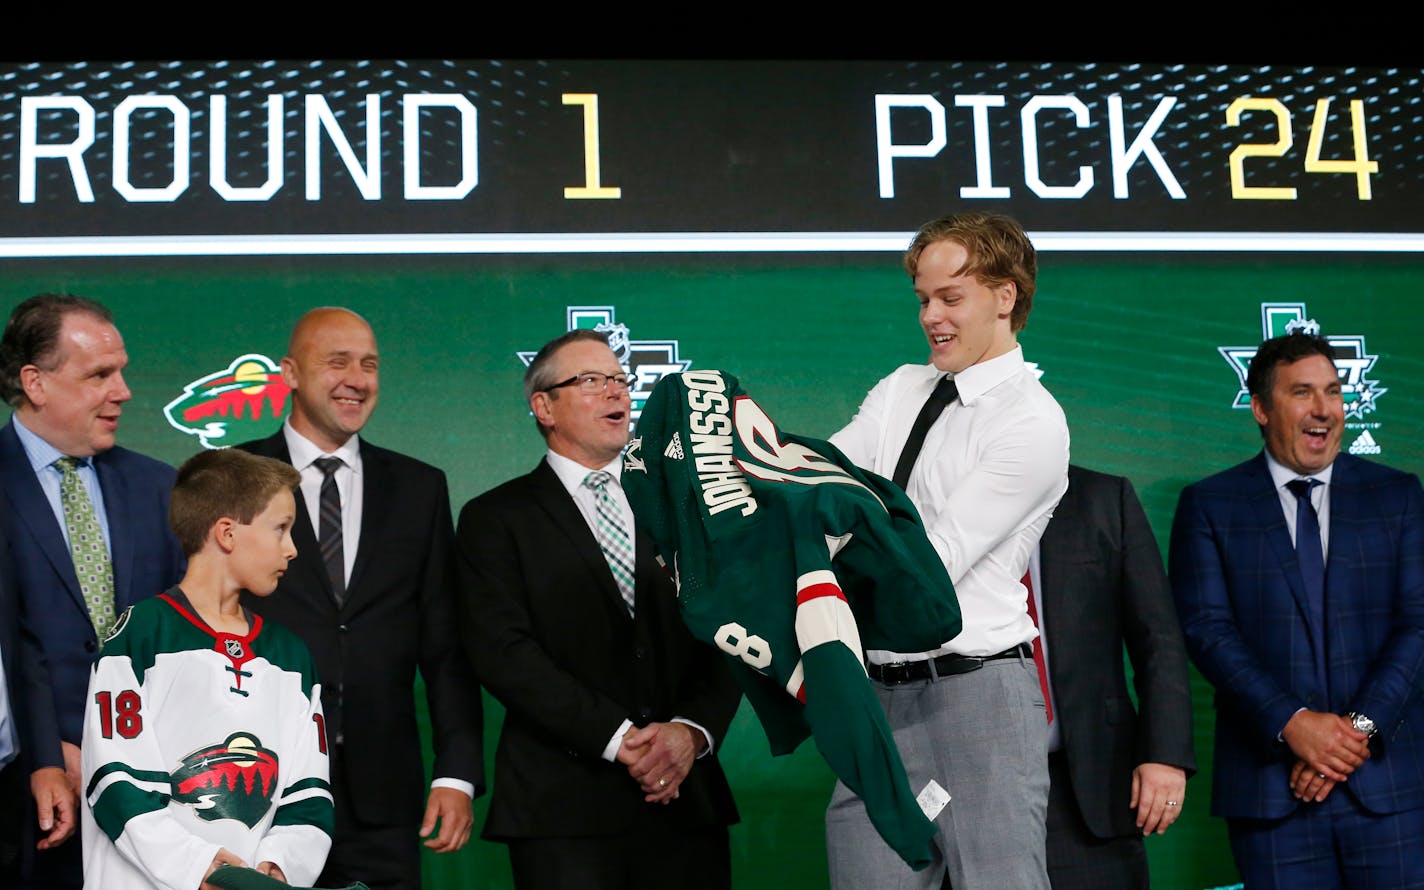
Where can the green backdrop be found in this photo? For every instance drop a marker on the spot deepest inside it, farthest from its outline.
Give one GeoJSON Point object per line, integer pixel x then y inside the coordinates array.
{"type": "Point", "coordinates": [1128, 344]}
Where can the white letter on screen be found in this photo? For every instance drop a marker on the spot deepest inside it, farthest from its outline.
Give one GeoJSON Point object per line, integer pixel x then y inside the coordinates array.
{"type": "Point", "coordinates": [73, 152]}
{"type": "Point", "coordinates": [320, 117]}
{"type": "Point", "coordinates": [983, 186]}
{"type": "Point", "coordinates": [1028, 117]}
{"type": "Point", "coordinates": [469, 146]}
{"type": "Point", "coordinates": [887, 151]}
{"type": "Point", "coordinates": [1122, 161]}
{"type": "Point", "coordinates": [181, 149]}
{"type": "Point", "coordinates": [217, 153]}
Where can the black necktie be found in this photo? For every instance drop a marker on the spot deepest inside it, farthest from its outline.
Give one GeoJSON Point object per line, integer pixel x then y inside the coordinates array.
{"type": "Point", "coordinates": [944, 393]}
{"type": "Point", "coordinates": [1312, 564]}
{"type": "Point", "coordinates": [329, 530]}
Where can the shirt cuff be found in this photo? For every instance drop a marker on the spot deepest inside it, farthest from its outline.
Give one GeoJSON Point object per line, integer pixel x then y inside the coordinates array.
{"type": "Point", "coordinates": [1281, 736]}
{"type": "Point", "coordinates": [610, 751]}
{"type": "Point", "coordinates": [460, 785]}
{"type": "Point", "coordinates": [705, 734]}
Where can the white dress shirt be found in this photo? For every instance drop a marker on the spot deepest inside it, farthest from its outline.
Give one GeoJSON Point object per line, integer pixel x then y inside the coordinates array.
{"type": "Point", "coordinates": [9, 744]}
{"type": "Point", "coordinates": [42, 457]}
{"type": "Point", "coordinates": [993, 467]}
{"type": "Point", "coordinates": [1319, 498]}
{"type": "Point", "coordinates": [304, 454]}
{"type": "Point", "coordinates": [352, 489]}
{"type": "Point", "coordinates": [571, 474]}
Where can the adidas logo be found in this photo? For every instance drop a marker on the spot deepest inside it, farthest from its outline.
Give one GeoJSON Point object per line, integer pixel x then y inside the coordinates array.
{"type": "Point", "coordinates": [674, 448]}
{"type": "Point", "coordinates": [1365, 444]}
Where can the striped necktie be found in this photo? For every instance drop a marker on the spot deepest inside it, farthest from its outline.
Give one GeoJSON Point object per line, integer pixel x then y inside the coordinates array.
{"type": "Point", "coordinates": [86, 547]}
{"type": "Point", "coordinates": [333, 555]}
{"type": "Point", "coordinates": [612, 535]}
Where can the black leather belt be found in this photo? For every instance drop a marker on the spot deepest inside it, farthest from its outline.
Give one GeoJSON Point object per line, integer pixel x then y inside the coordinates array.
{"type": "Point", "coordinates": [945, 665]}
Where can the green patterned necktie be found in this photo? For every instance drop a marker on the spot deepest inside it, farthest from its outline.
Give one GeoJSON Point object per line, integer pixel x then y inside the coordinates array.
{"type": "Point", "coordinates": [86, 547]}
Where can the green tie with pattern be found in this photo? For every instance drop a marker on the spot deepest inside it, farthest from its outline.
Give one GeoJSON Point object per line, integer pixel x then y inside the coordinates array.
{"type": "Point", "coordinates": [86, 547]}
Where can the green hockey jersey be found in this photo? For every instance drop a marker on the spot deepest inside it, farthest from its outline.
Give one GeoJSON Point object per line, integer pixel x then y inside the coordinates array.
{"type": "Point", "coordinates": [196, 740]}
{"type": "Point", "coordinates": [792, 560]}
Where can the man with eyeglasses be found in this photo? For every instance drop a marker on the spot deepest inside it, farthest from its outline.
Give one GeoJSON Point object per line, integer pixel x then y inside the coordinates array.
{"type": "Point", "coordinates": [605, 775]}
{"type": "Point", "coordinates": [370, 593]}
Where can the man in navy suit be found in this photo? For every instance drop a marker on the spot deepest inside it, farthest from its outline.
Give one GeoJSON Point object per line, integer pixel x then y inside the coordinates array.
{"type": "Point", "coordinates": [71, 497]}
{"type": "Point", "coordinates": [1299, 579]}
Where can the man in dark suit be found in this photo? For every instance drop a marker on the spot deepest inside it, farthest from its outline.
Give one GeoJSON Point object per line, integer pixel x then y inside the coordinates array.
{"type": "Point", "coordinates": [72, 498]}
{"type": "Point", "coordinates": [1299, 578]}
{"type": "Point", "coordinates": [11, 784]}
{"type": "Point", "coordinates": [370, 594]}
{"type": "Point", "coordinates": [606, 775]}
{"type": "Point", "coordinates": [1116, 772]}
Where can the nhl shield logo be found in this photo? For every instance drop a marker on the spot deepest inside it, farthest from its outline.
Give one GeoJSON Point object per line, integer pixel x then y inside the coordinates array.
{"type": "Point", "coordinates": [234, 649]}
{"type": "Point", "coordinates": [243, 401]}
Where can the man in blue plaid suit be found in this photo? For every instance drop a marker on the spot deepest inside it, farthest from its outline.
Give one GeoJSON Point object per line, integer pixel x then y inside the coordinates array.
{"type": "Point", "coordinates": [1299, 578]}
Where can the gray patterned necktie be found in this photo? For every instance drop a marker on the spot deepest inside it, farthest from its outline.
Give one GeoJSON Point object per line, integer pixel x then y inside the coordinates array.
{"type": "Point", "coordinates": [333, 553]}
{"type": "Point", "coordinates": [612, 535]}
{"type": "Point", "coordinates": [86, 547]}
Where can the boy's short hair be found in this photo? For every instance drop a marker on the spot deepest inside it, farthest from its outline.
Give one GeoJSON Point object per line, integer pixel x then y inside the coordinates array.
{"type": "Point", "coordinates": [223, 483]}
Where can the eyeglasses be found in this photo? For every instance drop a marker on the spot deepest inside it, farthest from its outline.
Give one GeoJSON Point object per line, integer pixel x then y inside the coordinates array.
{"type": "Point", "coordinates": [593, 382]}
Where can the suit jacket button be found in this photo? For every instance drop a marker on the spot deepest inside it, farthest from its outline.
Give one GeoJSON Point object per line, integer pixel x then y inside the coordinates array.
{"type": "Point", "coordinates": [91, 646]}
{"type": "Point", "coordinates": [640, 651]}
{"type": "Point", "coordinates": [343, 628]}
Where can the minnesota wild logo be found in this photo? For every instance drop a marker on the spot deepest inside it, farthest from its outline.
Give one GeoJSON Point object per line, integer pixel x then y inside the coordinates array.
{"type": "Point", "coordinates": [234, 780]}
{"type": "Point", "coordinates": [243, 401]}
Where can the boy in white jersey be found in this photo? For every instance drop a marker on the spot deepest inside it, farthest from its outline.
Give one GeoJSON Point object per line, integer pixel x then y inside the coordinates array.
{"type": "Point", "coordinates": [203, 736]}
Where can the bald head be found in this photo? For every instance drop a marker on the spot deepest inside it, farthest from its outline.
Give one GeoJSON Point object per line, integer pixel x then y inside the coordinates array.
{"type": "Point", "coordinates": [333, 369]}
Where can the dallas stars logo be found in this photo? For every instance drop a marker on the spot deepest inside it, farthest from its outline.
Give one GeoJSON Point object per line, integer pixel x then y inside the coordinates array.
{"type": "Point", "coordinates": [651, 360]}
{"type": "Point", "coordinates": [1351, 359]}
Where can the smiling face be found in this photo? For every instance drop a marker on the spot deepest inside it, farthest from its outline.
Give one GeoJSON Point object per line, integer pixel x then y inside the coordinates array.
{"type": "Point", "coordinates": [75, 405]}
{"type": "Point", "coordinates": [262, 548]}
{"type": "Point", "coordinates": [1305, 419]}
{"type": "Point", "coordinates": [965, 321]}
{"type": "Point", "coordinates": [589, 429]}
{"type": "Point", "coordinates": [333, 369]}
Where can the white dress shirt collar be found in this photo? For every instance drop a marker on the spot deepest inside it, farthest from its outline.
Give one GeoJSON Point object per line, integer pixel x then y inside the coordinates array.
{"type": "Point", "coordinates": [978, 379]}
{"type": "Point", "coordinates": [572, 473]}
{"type": "Point", "coordinates": [304, 451]}
{"type": "Point", "coordinates": [1282, 474]}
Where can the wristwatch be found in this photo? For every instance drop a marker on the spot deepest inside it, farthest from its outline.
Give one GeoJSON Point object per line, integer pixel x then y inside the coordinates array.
{"type": "Point", "coordinates": [1362, 723]}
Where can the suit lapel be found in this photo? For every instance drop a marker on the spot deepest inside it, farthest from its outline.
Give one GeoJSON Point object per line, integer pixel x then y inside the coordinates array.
{"type": "Point", "coordinates": [117, 504]}
{"type": "Point", "coordinates": [1347, 511]}
{"type": "Point", "coordinates": [1265, 506]}
{"type": "Point", "coordinates": [377, 497]}
{"type": "Point", "coordinates": [33, 513]}
{"type": "Point", "coordinates": [303, 535]}
{"type": "Point", "coordinates": [1057, 542]}
{"type": "Point", "coordinates": [556, 502]}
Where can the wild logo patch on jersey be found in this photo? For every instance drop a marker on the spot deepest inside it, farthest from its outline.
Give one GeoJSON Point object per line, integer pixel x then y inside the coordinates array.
{"type": "Point", "coordinates": [234, 780]}
{"type": "Point", "coordinates": [651, 360]}
{"type": "Point", "coordinates": [243, 401]}
{"type": "Point", "coordinates": [1352, 361]}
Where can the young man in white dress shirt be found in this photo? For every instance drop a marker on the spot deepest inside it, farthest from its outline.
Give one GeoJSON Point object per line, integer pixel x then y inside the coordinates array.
{"type": "Point", "coordinates": [982, 450]}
